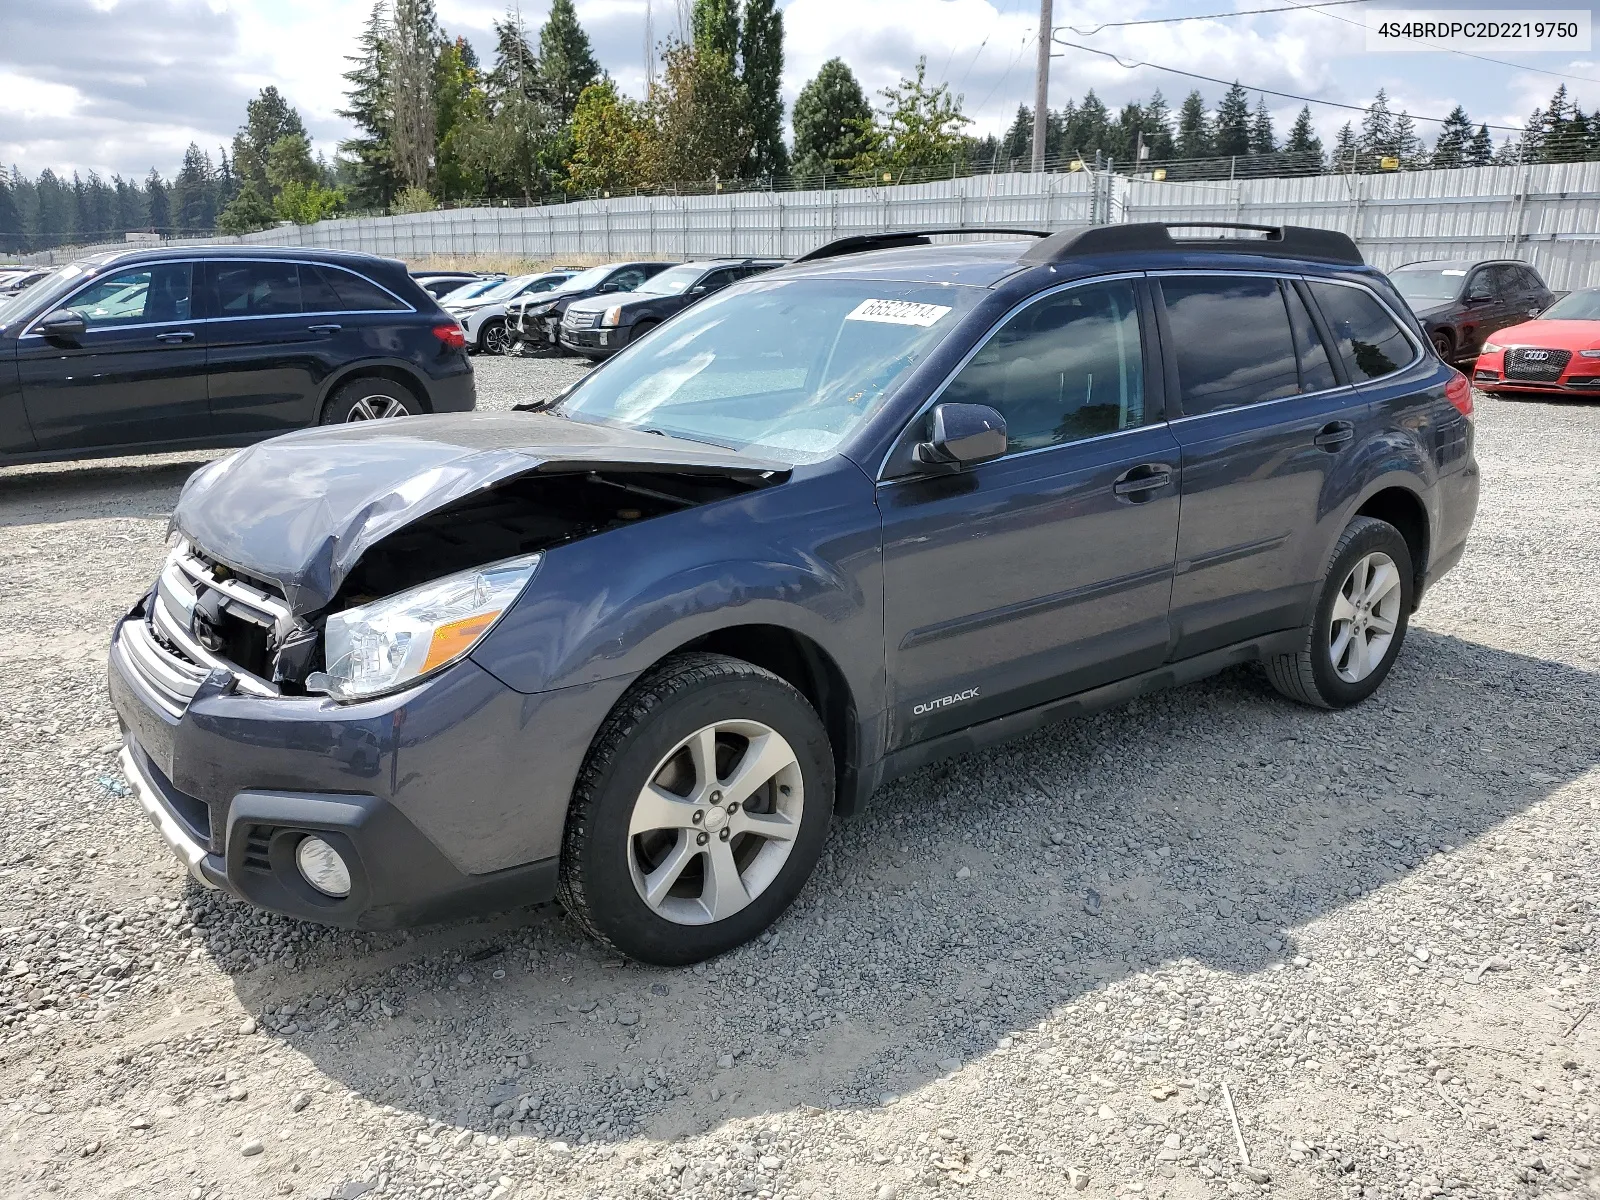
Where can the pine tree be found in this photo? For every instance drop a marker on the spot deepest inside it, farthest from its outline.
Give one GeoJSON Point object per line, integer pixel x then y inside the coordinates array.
{"type": "Point", "coordinates": [1343, 157]}
{"type": "Point", "coordinates": [761, 72]}
{"type": "Point", "coordinates": [1127, 134]}
{"type": "Point", "coordinates": [267, 118]}
{"type": "Point", "coordinates": [516, 66]}
{"type": "Point", "coordinates": [1017, 143]}
{"type": "Point", "coordinates": [13, 238]}
{"type": "Point", "coordinates": [1263, 139]}
{"type": "Point", "coordinates": [414, 40]}
{"type": "Point", "coordinates": [1232, 135]}
{"type": "Point", "coordinates": [1408, 146]}
{"type": "Point", "coordinates": [51, 215]}
{"type": "Point", "coordinates": [1450, 147]}
{"type": "Point", "coordinates": [157, 203]}
{"type": "Point", "coordinates": [1194, 128]}
{"type": "Point", "coordinates": [194, 209]}
{"type": "Point", "coordinates": [1376, 139]}
{"type": "Point", "coordinates": [1303, 140]}
{"type": "Point", "coordinates": [1480, 151]}
{"type": "Point", "coordinates": [1088, 129]}
{"type": "Point", "coordinates": [566, 60]}
{"type": "Point", "coordinates": [830, 114]}
{"type": "Point", "coordinates": [1158, 128]}
{"type": "Point", "coordinates": [367, 108]}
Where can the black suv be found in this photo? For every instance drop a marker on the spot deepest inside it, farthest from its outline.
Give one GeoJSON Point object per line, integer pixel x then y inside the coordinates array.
{"type": "Point", "coordinates": [640, 647]}
{"type": "Point", "coordinates": [167, 349]}
{"type": "Point", "coordinates": [601, 325]}
{"type": "Point", "coordinates": [534, 321]}
{"type": "Point", "coordinates": [1460, 303]}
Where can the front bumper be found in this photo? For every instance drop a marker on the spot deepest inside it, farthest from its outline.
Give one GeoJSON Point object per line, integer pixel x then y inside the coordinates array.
{"type": "Point", "coordinates": [448, 798]}
{"type": "Point", "coordinates": [595, 343]}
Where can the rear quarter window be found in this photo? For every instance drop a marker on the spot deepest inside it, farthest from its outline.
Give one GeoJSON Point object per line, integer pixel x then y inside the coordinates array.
{"type": "Point", "coordinates": [1365, 336]}
{"type": "Point", "coordinates": [357, 293]}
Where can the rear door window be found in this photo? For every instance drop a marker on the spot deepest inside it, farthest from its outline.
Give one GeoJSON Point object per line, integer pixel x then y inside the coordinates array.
{"type": "Point", "coordinates": [1065, 368]}
{"type": "Point", "coordinates": [257, 289]}
{"type": "Point", "coordinates": [1365, 336]}
{"type": "Point", "coordinates": [1316, 370]}
{"type": "Point", "coordinates": [1232, 340]}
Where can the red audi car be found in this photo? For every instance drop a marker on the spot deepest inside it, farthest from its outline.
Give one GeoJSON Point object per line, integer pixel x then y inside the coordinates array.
{"type": "Point", "coordinates": [1557, 351]}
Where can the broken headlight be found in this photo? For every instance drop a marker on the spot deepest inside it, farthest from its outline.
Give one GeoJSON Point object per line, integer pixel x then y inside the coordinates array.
{"type": "Point", "coordinates": [393, 642]}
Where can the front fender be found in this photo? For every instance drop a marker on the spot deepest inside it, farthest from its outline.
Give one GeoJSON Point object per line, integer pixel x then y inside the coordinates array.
{"type": "Point", "coordinates": [802, 555]}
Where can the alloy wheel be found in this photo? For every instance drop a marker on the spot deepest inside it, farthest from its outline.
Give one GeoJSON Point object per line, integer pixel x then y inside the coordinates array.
{"type": "Point", "coordinates": [715, 822]}
{"type": "Point", "coordinates": [1366, 613]}
{"type": "Point", "coordinates": [496, 339]}
{"type": "Point", "coordinates": [377, 408]}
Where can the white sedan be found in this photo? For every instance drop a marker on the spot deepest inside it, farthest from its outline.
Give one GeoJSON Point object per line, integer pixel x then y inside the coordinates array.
{"type": "Point", "coordinates": [483, 316]}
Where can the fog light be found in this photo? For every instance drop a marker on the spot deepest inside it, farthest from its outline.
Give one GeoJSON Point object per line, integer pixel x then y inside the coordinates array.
{"type": "Point", "coordinates": [323, 867]}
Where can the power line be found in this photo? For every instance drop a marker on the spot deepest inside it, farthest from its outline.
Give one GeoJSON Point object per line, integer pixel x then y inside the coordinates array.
{"type": "Point", "coordinates": [1242, 12]}
{"type": "Point", "coordinates": [1133, 66]}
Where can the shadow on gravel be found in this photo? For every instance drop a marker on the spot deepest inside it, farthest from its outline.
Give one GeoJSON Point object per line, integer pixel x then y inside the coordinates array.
{"type": "Point", "coordinates": [1207, 821]}
{"type": "Point", "coordinates": [56, 493]}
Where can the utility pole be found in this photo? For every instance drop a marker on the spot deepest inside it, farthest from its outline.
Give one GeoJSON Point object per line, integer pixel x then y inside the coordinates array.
{"type": "Point", "coordinates": [1041, 87]}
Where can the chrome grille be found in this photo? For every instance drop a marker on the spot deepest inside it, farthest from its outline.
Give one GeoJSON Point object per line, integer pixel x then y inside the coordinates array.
{"type": "Point", "coordinates": [1536, 364]}
{"type": "Point", "coordinates": [581, 320]}
{"type": "Point", "coordinates": [162, 650]}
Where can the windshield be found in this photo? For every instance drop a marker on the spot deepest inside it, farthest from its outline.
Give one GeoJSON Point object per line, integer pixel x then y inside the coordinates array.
{"type": "Point", "coordinates": [1575, 306]}
{"type": "Point", "coordinates": [584, 280]}
{"type": "Point", "coordinates": [672, 281]}
{"type": "Point", "coordinates": [1427, 283]}
{"type": "Point", "coordinates": [786, 368]}
{"type": "Point", "coordinates": [506, 288]}
{"type": "Point", "coordinates": [46, 291]}
{"type": "Point", "coordinates": [473, 290]}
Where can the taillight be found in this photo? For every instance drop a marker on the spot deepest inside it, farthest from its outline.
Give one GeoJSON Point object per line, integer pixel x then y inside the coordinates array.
{"type": "Point", "coordinates": [452, 335]}
{"type": "Point", "coordinates": [1459, 392]}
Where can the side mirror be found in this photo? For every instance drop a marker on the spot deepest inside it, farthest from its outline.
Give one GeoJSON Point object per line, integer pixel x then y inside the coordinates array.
{"type": "Point", "coordinates": [964, 435]}
{"type": "Point", "coordinates": [63, 323]}
{"type": "Point", "coordinates": [1478, 297]}
{"type": "Point", "coordinates": [698, 289]}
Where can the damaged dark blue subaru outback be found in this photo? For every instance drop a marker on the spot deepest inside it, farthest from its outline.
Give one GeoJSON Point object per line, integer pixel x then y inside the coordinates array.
{"type": "Point", "coordinates": [636, 647]}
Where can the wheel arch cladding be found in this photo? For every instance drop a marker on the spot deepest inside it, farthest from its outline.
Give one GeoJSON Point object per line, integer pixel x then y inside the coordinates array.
{"type": "Point", "coordinates": [802, 663]}
{"type": "Point", "coordinates": [1404, 509]}
{"type": "Point", "coordinates": [393, 372]}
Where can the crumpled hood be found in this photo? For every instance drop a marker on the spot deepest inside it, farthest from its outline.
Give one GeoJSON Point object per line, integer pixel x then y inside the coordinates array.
{"type": "Point", "coordinates": [300, 510]}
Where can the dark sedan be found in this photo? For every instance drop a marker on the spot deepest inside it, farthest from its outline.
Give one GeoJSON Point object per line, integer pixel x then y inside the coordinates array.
{"type": "Point", "coordinates": [601, 325]}
{"type": "Point", "coordinates": [1461, 302]}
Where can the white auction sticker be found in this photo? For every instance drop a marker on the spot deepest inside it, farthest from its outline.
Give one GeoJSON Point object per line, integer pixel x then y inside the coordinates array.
{"type": "Point", "coordinates": [1478, 29]}
{"type": "Point", "coordinates": [897, 312]}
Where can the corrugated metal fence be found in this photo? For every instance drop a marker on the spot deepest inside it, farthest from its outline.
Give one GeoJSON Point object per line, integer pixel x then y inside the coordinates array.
{"type": "Point", "coordinates": [1548, 215]}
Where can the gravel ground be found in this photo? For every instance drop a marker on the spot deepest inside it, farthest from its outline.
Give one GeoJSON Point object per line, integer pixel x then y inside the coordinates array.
{"type": "Point", "coordinates": [1059, 966]}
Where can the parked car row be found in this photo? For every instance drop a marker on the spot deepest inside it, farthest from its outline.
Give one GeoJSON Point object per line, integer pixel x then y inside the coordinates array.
{"type": "Point", "coordinates": [19, 280]}
{"type": "Point", "coordinates": [179, 348]}
{"type": "Point", "coordinates": [637, 647]}
{"type": "Point", "coordinates": [440, 284]}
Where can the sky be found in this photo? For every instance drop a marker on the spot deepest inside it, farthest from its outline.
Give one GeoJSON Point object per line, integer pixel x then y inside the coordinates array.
{"type": "Point", "coordinates": [121, 86]}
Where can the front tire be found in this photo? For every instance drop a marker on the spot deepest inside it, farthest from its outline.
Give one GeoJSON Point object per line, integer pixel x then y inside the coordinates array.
{"type": "Point", "coordinates": [1363, 611]}
{"type": "Point", "coordinates": [494, 338]}
{"type": "Point", "coordinates": [1444, 346]}
{"type": "Point", "coordinates": [700, 812]}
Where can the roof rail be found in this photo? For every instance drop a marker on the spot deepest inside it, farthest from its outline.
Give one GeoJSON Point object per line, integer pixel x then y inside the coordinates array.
{"type": "Point", "coordinates": [1281, 241]}
{"type": "Point", "coordinates": [860, 243]}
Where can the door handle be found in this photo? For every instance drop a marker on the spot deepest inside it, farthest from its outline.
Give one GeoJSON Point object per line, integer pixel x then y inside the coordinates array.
{"type": "Point", "coordinates": [171, 339]}
{"type": "Point", "coordinates": [325, 328]}
{"type": "Point", "coordinates": [1146, 477]}
{"type": "Point", "coordinates": [1335, 434]}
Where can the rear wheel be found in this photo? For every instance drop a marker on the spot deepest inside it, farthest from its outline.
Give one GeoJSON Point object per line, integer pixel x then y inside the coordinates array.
{"type": "Point", "coordinates": [700, 813]}
{"type": "Point", "coordinates": [1360, 622]}
{"type": "Point", "coordinates": [370, 400]}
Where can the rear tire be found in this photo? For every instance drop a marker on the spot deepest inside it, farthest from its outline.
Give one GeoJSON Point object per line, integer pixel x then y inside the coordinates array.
{"type": "Point", "coordinates": [1359, 625]}
{"type": "Point", "coordinates": [370, 399]}
{"type": "Point", "coordinates": [670, 863]}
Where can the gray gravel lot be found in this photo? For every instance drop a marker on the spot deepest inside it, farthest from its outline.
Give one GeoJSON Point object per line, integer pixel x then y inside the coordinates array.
{"type": "Point", "coordinates": [1028, 972]}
